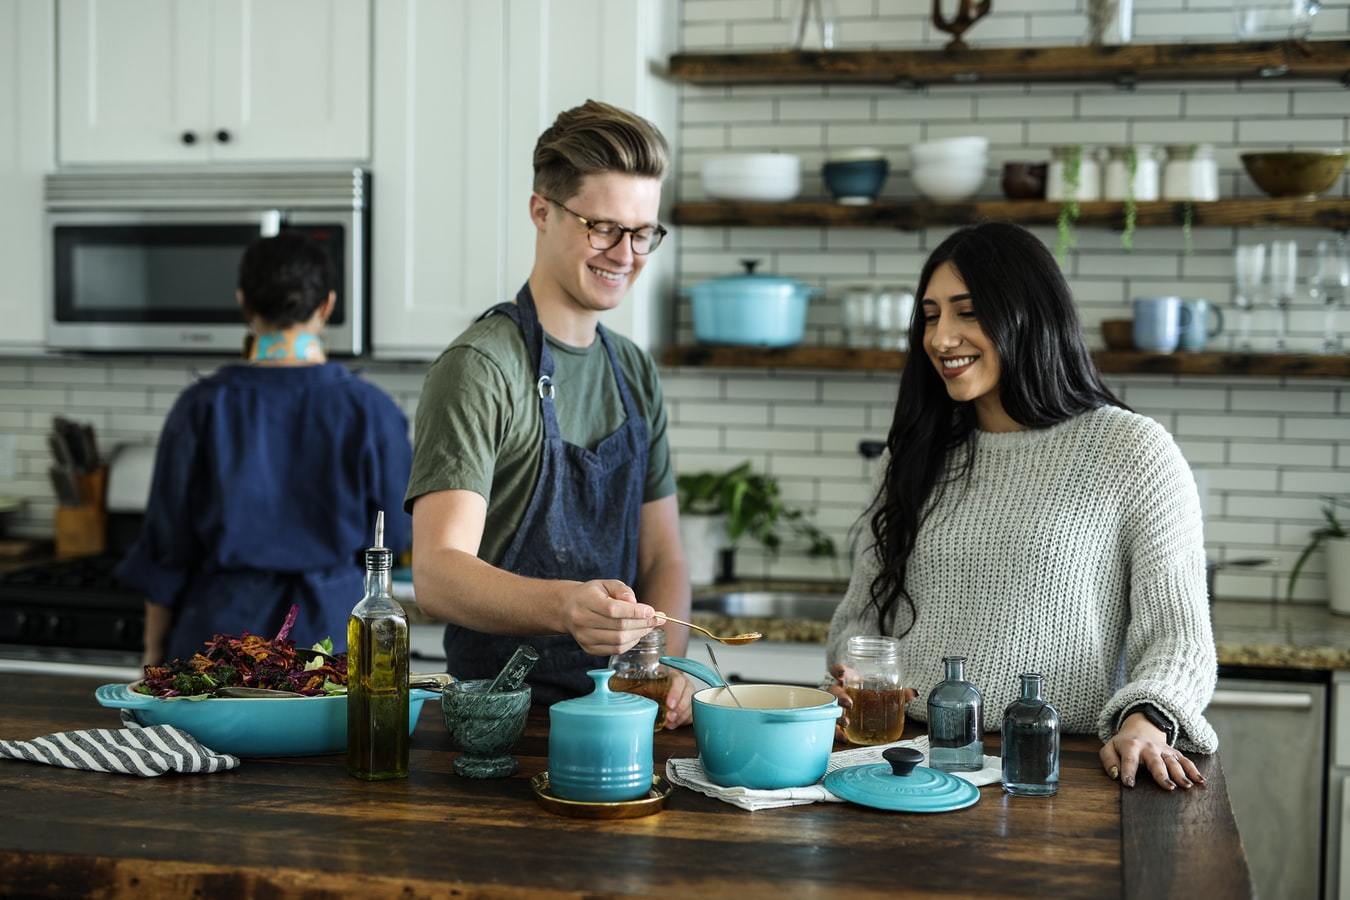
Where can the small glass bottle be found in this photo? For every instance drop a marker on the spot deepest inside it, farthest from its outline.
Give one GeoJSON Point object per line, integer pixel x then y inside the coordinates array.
{"type": "Point", "coordinates": [955, 721]}
{"type": "Point", "coordinates": [1031, 743]}
{"type": "Point", "coordinates": [377, 674]}
{"type": "Point", "coordinates": [639, 671]}
{"type": "Point", "coordinates": [872, 681]}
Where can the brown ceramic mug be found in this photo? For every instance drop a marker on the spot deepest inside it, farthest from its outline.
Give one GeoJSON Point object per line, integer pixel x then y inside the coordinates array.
{"type": "Point", "coordinates": [1024, 180]}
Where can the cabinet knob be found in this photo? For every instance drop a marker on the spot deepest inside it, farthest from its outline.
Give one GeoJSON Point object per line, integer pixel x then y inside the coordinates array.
{"type": "Point", "coordinates": [223, 136]}
{"type": "Point", "coordinates": [189, 137]}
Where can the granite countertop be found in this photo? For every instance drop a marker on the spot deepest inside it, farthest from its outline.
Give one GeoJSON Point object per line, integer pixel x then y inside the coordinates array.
{"type": "Point", "coordinates": [1246, 633]}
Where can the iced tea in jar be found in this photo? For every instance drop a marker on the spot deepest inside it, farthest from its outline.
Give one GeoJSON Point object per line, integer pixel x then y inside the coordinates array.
{"type": "Point", "coordinates": [872, 681]}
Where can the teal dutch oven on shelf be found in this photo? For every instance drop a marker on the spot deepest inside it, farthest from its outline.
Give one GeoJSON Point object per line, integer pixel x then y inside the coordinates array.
{"type": "Point", "coordinates": [780, 736]}
{"type": "Point", "coordinates": [256, 726]}
{"type": "Point", "coordinates": [600, 745]}
{"type": "Point", "coordinates": [750, 310]}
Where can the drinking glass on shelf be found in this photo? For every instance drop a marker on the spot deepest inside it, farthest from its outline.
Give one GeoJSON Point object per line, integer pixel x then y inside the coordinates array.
{"type": "Point", "coordinates": [858, 316]}
{"type": "Point", "coordinates": [895, 309]}
{"type": "Point", "coordinates": [1283, 283]}
{"type": "Point", "coordinates": [1249, 268]}
{"type": "Point", "coordinates": [1329, 285]}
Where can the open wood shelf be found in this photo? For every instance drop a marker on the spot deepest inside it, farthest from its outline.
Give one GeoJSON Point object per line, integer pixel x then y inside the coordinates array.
{"type": "Point", "coordinates": [1333, 213]}
{"type": "Point", "coordinates": [1125, 64]}
{"type": "Point", "coordinates": [1115, 362]}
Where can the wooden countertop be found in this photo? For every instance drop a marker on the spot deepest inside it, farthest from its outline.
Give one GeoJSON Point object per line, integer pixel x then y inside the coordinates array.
{"type": "Point", "coordinates": [292, 827]}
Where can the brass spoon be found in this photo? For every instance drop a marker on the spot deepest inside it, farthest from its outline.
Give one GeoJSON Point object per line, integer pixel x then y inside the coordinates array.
{"type": "Point", "coordinates": [748, 638]}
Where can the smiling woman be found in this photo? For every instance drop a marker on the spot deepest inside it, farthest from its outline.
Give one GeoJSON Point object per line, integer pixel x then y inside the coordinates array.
{"type": "Point", "coordinates": [1026, 519]}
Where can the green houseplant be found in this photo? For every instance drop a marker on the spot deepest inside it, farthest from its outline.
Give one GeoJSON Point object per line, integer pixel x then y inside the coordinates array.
{"type": "Point", "coordinates": [1335, 536]}
{"type": "Point", "coordinates": [718, 509]}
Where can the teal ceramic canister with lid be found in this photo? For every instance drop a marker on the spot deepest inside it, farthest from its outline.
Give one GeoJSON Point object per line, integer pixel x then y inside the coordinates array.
{"type": "Point", "coordinates": [600, 745]}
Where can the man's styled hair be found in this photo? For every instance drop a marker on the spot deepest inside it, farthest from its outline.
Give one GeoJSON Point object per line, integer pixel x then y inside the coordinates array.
{"type": "Point", "coordinates": [592, 138]}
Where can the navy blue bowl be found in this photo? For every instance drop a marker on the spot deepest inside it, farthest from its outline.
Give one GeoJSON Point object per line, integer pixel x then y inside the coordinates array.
{"type": "Point", "coordinates": [857, 180]}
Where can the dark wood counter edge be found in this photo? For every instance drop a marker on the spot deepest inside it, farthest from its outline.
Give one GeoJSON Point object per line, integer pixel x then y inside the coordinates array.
{"type": "Point", "coordinates": [1124, 64]}
{"type": "Point", "coordinates": [1153, 861]}
{"type": "Point", "coordinates": [1114, 362]}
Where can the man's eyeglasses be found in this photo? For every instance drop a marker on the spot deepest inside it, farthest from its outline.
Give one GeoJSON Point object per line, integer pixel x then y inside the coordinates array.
{"type": "Point", "coordinates": [606, 235]}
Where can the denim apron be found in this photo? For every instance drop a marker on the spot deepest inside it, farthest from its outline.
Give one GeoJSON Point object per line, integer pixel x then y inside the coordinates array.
{"type": "Point", "coordinates": [581, 523]}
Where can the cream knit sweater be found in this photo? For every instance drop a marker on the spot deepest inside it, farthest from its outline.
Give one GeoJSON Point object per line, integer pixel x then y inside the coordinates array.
{"type": "Point", "coordinates": [1075, 551]}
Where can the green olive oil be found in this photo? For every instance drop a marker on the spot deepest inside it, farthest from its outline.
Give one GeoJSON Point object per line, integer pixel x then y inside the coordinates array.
{"type": "Point", "coordinates": [377, 674]}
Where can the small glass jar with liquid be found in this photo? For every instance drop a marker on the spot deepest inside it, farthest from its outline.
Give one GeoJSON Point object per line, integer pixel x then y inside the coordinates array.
{"type": "Point", "coordinates": [872, 681]}
{"type": "Point", "coordinates": [639, 671]}
{"type": "Point", "coordinates": [955, 721]}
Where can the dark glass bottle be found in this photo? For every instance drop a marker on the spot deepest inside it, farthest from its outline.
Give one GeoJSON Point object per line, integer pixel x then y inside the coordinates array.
{"type": "Point", "coordinates": [955, 721]}
{"type": "Point", "coordinates": [1031, 743]}
{"type": "Point", "coordinates": [377, 674]}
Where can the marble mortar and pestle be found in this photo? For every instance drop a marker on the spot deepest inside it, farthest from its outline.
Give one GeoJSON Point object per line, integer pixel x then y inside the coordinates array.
{"type": "Point", "coordinates": [486, 717]}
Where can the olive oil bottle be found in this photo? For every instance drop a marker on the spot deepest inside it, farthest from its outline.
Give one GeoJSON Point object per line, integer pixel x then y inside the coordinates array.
{"type": "Point", "coordinates": [377, 674]}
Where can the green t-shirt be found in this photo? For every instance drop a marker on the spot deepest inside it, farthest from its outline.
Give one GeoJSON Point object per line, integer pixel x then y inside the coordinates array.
{"type": "Point", "coordinates": [479, 427]}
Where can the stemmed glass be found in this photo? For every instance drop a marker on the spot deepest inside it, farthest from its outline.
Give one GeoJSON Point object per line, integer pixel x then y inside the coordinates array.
{"type": "Point", "coordinates": [1283, 283]}
{"type": "Point", "coordinates": [1249, 268]}
{"type": "Point", "coordinates": [1330, 285]}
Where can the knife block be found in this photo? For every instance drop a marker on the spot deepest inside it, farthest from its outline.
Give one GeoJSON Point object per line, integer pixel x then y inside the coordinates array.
{"type": "Point", "coordinates": [83, 530]}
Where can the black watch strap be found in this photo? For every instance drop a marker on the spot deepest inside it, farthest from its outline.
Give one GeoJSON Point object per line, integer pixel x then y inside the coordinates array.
{"type": "Point", "coordinates": [1156, 717]}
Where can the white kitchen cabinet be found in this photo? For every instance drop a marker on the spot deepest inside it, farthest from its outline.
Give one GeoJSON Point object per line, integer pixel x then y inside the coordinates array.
{"type": "Point", "coordinates": [26, 154]}
{"type": "Point", "coordinates": [764, 662]}
{"type": "Point", "coordinates": [1272, 742]}
{"type": "Point", "coordinates": [204, 81]}
{"type": "Point", "coordinates": [462, 91]}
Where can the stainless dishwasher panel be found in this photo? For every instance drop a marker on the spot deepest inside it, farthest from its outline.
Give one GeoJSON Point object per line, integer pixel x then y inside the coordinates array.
{"type": "Point", "coordinates": [1272, 742]}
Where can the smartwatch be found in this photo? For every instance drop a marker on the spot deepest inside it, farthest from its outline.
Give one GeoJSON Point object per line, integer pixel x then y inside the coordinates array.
{"type": "Point", "coordinates": [1157, 718]}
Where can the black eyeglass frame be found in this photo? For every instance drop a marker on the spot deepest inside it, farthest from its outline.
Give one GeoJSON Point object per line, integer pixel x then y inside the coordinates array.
{"type": "Point", "coordinates": [658, 232]}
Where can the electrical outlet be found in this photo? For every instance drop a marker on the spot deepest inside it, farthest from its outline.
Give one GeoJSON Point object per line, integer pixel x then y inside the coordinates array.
{"type": "Point", "coordinates": [9, 463]}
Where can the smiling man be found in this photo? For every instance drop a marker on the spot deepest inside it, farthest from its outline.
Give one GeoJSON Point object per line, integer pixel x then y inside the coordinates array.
{"type": "Point", "coordinates": [542, 494]}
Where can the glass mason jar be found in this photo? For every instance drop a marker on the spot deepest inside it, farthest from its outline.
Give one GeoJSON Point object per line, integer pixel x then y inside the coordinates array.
{"type": "Point", "coordinates": [639, 671]}
{"type": "Point", "coordinates": [1120, 183]}
{"type": "Point", "coordinates": [955, 721]}
{"type": "Point", "coordinates": [1190, 173]}
{"type": "Point", "coordinates": [858, 316]}
{"type": "Point", "coordinates": [1110, 22]}
{"type": "Point", "coordinates": [1031, 743]}
{"type": "Point", "coordinates": [872, 680]}
{"type": "Point", "coordinates": [894, 312]}
{"type": "Point", "coordinates": [1073, 174]}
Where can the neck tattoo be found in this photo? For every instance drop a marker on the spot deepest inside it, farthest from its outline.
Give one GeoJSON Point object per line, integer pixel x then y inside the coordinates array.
{"type": "Point", "coordinates": [287, 346]}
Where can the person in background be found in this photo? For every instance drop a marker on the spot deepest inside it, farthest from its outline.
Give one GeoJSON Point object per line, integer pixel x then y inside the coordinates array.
{"type": "Point", "coordinates": [542, 495]}
{"type": "Point", "coordinates": [1027, 519]}
{"type": "Point", "coordinates": [268, 475]}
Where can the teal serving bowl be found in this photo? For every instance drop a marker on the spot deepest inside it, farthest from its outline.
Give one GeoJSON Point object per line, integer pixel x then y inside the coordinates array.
{"type": "Point", "coordinates": [253, 726]}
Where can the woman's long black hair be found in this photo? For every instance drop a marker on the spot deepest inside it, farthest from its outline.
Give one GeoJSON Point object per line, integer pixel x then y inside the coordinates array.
{"type": "Point", "coordinates": [1024, 306]}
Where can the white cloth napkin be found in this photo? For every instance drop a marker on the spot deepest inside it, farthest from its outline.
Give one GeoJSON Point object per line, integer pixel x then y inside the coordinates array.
{"type": "Point", "coordinates": [689, 773]}
{"type": "Point", "coordinates": [133, 750]}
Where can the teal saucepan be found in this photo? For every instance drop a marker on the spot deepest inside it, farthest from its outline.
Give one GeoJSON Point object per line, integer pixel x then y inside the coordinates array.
{"type": "Point", "coordinates": [780, 736]}
{"type": "Point", "coordinates": [272, 726]}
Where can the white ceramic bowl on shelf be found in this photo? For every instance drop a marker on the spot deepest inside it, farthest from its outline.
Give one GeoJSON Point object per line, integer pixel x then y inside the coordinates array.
{"type": "Point", "coordinates": [957, 148]}
{"type": "Point", "coordinates": [950, 181]}
{"type": "Point", "coordinates": [752, 176]}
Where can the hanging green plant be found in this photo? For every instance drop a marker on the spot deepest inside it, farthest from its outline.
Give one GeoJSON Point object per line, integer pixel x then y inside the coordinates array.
{"type": "Point", "coordinates": [1187, 217]}
{"type": "Point", "coordinates": [1131, 210]}
{"type": "Point", "coordinates": [1068, 212]}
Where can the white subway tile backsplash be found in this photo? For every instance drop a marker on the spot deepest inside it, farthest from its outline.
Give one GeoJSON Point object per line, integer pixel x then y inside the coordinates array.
{"type": "Point", "coordinates": [1326, 481]}
{"type": "Point", "coordinates": [1332, 428]}
{"type": "Point", "coordinates": [1282, 454]}
{"type": "Point", "coordinates": [1275, 132]}
{"type": "Point", "coordinates": [1193, 424]}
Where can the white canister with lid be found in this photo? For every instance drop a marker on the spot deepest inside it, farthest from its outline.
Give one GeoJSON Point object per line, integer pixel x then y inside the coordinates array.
{"type": "Point", "coordinates": [1190, 173]}
{"type": "Point", "coordinates": [1119, 183]}
{"type": "Point", "coordinates": [1088, 181]}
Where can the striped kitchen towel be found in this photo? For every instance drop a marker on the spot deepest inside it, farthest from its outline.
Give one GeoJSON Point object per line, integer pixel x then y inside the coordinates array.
{"type": "Point", "coordinates": [133, 750]}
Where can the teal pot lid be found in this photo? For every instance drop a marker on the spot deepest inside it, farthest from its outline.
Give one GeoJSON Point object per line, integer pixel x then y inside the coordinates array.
{"type": "Point", "coordinates": [901, 785]}
{"type": "Point", "coordinates": [750, 284]}
{"type": "Point", "coordinates": [602, 701]}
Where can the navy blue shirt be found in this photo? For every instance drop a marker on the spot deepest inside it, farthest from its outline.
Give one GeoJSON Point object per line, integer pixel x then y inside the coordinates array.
{"type": "Point", "coordinates": [267, 480]}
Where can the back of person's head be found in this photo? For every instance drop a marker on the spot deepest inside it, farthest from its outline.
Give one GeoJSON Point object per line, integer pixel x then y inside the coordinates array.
{"type": "Point", "coordinates": [1025, 308]}
{"type": "Point", "coordinates": [284, 279]}
{"type": "Point", "coordinates": [594, 138]}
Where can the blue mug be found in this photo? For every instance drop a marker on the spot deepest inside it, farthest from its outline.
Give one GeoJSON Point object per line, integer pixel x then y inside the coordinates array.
{"type": "Point", "coordinates": [1195, 330]}
{"type": "Point", "coordinates": [1158, 322]}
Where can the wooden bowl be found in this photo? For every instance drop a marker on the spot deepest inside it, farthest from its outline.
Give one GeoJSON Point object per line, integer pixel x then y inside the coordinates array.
{"type": "Point", "coordinates": [1294, 174]}
{"type": "Point", "coordinates": [1118, 334]}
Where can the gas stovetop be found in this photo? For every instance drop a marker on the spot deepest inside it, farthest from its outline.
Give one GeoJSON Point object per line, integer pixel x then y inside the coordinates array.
{"type": "Point", "coordinates": [70, 603]}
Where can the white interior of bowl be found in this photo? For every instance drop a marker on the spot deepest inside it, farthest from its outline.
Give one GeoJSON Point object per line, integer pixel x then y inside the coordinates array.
{"type": "Point", "coordinates": [957, 146]}
{"type": "Point", "coordinates": [765, 696]}
{"type": "Point", "coordinates": [783, 165]}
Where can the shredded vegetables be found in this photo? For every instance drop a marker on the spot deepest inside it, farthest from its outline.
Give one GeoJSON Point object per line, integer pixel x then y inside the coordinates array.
{"type": "Point", "coordinates": [250, 661]}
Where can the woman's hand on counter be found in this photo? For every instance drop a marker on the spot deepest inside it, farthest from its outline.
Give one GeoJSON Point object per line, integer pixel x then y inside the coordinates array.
{"type": "Point", "coordinates": [679, 702]}
{"type": "Point", "coordinates": [837, 672]}
{"type": "Point", "coordinates": [1141, 744]}
{"type": "Point", "coordinates": [604, 616]}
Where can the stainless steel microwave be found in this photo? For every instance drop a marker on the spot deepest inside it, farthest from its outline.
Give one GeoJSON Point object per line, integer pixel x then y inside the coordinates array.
{"type": "Point", "coordinates": [147, 261]}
